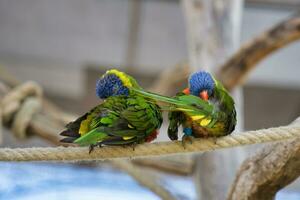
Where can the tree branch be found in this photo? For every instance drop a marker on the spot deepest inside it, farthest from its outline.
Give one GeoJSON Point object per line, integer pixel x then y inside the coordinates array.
{"type": "Point", "coordinates": [146, 178]}
{"type": "Point", "coordinates": [236, 69]}
{"type": "Point", "coordinates": [261, 176]}
{"type": "Point", "coordinates": [180, 165]}
{"type": "Point", "coordinates": [271, 169]}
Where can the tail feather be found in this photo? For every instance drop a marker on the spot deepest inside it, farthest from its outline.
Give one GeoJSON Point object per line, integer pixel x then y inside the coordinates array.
{"type": "Point", "coordinates": [92, 137]}
{"type": "Point", "coordinates": [157, 97]}
{"type": "Point", "coordinates": [69, 133]}
{"type": "Point", "coordinates": [70, 136]}
{"type": "Point", "coordinates": [75, 125]}
{"type": "Point", "coordinates": [185, 103]}
{"type": "Point", "coordinates": [72, 129]}
{"type": "Point", "coordinates": [68, 140]}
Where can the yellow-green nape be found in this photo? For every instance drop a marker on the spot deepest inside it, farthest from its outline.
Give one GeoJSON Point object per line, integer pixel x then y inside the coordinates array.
{"type": "Point", "coordinates": [122, 76]}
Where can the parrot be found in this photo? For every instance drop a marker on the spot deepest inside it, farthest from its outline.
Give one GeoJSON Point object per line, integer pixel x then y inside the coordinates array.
{"type": "Point", "coordinates": [204, 109]}
{"type": "Point", "coordinates": [123, 118]}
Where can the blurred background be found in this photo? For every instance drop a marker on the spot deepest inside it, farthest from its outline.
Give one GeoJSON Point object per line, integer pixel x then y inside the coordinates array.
{"type": "Point", "coordinates": [66, 45]}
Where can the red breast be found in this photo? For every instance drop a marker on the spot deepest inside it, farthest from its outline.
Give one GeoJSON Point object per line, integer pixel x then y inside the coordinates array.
{"type": "Point", "coordinates": [152, 136]}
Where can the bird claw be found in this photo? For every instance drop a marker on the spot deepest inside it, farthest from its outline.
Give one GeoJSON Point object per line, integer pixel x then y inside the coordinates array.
{"type": "Point", "coordinates": [133, 146]}
{"type": "Point", "coordinates": [92, 146]}
{"type": "Point", "coordinates": [215, 140]}
{"type": "Point", "coordinates": [186, 138]}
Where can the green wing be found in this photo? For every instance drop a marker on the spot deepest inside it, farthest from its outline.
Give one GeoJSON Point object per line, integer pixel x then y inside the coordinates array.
{"type": "Point", "coordinates": [226, 108]}
{"type": "Point", "coordinates": [114, 124]}
{"type": "Point", "coordinates": [189, 104]}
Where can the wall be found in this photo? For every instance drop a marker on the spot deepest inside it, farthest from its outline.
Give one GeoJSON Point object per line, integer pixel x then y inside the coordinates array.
{"type": "Point", "coordinates": [51, 41]}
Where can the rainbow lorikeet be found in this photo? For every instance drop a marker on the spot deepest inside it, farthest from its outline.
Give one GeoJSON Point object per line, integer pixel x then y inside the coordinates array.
{"type": "Point", "coordinates": [123, 118]}
{"type": "Point", "coordinates": [204, 109]}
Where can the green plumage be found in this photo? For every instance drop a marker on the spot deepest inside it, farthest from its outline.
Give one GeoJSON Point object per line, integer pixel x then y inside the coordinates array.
{"type": "Point", "coordinates": [215, 117]}
{"type": "Point", "coordinates": [123, 118]}
{"type": "Point", "coordinates": [119, 120]}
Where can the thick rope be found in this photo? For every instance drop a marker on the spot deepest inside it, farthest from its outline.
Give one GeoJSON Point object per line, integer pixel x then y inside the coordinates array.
{"type": "Point", "coordinates": [21, 104]}
{"type": "Point", "coordinates": [153, 149]}
{"type": "Point", "coordinates": [12, 101]}
{"type": "Point", "coordinates": [29, 108]}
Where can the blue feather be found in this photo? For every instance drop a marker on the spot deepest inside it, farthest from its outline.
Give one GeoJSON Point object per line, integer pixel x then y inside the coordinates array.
{"type": "Point", "coordinates": [200, 81]}
{"type": "Point", "coordinates": [110, 85]}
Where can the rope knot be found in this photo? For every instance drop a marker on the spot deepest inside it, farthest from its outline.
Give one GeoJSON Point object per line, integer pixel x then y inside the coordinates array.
{"type": "Point", "coordinates": [19, 106]}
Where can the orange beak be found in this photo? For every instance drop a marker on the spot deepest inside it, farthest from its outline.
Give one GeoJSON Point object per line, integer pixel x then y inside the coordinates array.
{"type": "Point", "coordinates": [204, 95]}
{"type": "Point", "coordinates": [186, 91]}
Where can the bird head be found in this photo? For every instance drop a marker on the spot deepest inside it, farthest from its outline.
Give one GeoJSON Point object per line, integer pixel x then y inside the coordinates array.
{"type": "Point", "coordinates": [201, 84]}
{"type": "Point", "coordinates": [114, 83]}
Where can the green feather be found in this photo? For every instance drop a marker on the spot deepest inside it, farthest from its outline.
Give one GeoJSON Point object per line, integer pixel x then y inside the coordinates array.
{"type": "Point", "coordinates": [91, 137]}
{"type": "Point", "coordinates": [119, 120]}
{"type": "Point", "coordinates": [185, 103]}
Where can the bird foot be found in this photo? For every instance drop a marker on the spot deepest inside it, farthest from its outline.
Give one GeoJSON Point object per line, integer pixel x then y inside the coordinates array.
{"type": "Point", "coordinates": [185, 139]}
{"type": "Point", "coordinates": [133, 145]}
{"type": "Point", "coordinates": [92, 146]}
{"type": "Point", "coordinates": [215, 140]}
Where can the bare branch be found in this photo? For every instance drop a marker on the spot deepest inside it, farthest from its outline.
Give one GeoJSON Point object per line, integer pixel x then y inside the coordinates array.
{"type": "Point", "coordinates": [271, 169]}
{"type": "Point", "coordinates": [235, 70]}
{"type": "Point", "coordinates": [180, 165]}
{"type": "Point", "coordinates": [145, 178]}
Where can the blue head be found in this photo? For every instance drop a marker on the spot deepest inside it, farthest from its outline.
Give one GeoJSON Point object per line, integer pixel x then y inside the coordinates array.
{"type": "Point", "coordinates": [201, 84]}
{"type": "Point", "coordinates": [110, 85]}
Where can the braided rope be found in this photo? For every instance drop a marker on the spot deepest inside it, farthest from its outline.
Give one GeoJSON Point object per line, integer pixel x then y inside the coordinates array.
{"type": "Point", "coordinates": [153, 149]}
{"type": "Point", "coordinates": [21, 104]}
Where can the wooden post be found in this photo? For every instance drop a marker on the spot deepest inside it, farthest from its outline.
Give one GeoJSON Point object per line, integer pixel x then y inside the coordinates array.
{"type": "Point", "coordinates": [213, 29]}
{"type": "Point", "coordinates": [133, 33]}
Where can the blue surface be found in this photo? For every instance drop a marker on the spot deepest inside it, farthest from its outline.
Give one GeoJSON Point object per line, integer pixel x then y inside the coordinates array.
{"type": "Point", "coordinates": [284, 195]}
{"type": "Point", "coordinates": [36, 181]}
{"type": "Point", "coordinates": [22, 181]}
